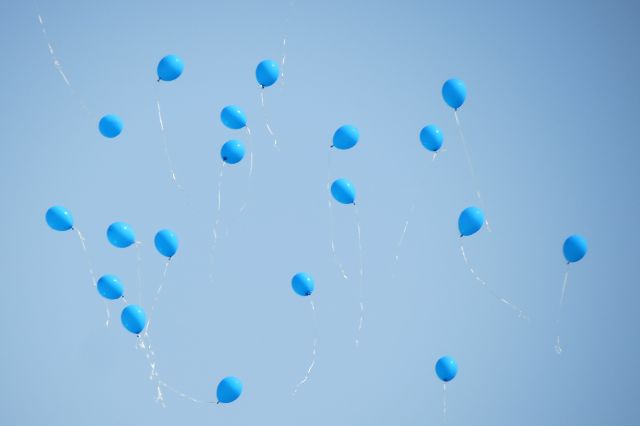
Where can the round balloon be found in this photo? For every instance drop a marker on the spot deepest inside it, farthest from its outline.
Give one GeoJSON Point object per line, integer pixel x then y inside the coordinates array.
{"type": "Point", "coordinates": [59, 219]}
{"type": "Point", "coordinates": [454, 92]}
{"type": "Point", "coordinates": [166, 243]}
{"type": "Point", "coordinates": [229, 389]}
{"type": "Point", "coordinates": [446, 368]}
{"type": "Point", "coordinates": [233, 117]}
{"type": "Point", "coordinates": [120, 235]}
{"type": "Point", "coordinates": [574, 248]}
{"type": "Point", "coordinates": [110, 126]}
{"type": "Point", "coordinates": [267, 72]}
{"type": "Point", "coordinates": [133, 318]}
{"type": "Point", "coordinates": [343, 191]}
{"type": "Point", "coordinates": [169, 68]}
{"type": "Point", "coordinates": [346, 137]}
{"type": "Point", "coordinates": [431, 137]}
{"type": "Point", "coordinates": [232, 152]}
{"type": "Point", "coordinates": [470, 221]}
{"type": "Point", "coordinates": [110, 287]}
{"type": "Point", "coordinates": [303, 284]}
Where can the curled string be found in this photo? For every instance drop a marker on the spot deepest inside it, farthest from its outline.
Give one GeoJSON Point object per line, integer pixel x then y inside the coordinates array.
{"type": "Point", "coordinates": [166, 148]}
{"type": "Point", "coordinates": [557, 346]}
{"type": "Point", "coordinates": [314, 351]}
{"type": "Point", "coordinates": [144, 343]}
{"type": "Point", "coordinates": [331, 220]}
{"type": "Point", "coordinates": [361, 275]}
{"type": "Point", "coordinates": [265, 116]}
{"type": "Point", "coordinates": [520, 312]}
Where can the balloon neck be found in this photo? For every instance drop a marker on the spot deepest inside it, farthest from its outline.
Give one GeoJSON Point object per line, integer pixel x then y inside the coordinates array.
{"type": "Point", "coordinates": [218, 403]}
{"type": "Point", "coordinates": [158, 81]}
{"type": "Point", "coordinates": [461, 235]}
{"type": "Point", "coordinates": [224, 159]}
{"type": "Point", "coordinates": [331, 146]}
{"type": "Point", "coordinates": [262, 86]}
{"type": "Point", "coordinates": [308, 293]}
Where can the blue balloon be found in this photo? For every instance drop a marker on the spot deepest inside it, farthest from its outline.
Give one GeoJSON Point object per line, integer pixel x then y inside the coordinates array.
{"type": "Point", "coordinates": [166, 243]}
{"type": "Point", "coordinates": [431, 137]}
{"type": "Point", "coordinates": [232, 152]}
{"type": "Point", "coordinates": [229, 389]}
{"type": "Point", "coordinates": [110, 287]}
{"type": "Point", "coordinates": [303, 284]}
{"type": "Point", "coordinates": [233, 117]}
{"type": "Point", "coordinates": [267, 72]}
{"type": "Point", "coordinates": [574, 248]}
{"type": "Point", "coordinates": [110, 126]}
{"type": "Point", "coordinates": [446, 368]}
{"type": "Point", "coordinates": [343, 191]}
{"type": "Point", "coordinates": [346, 137]}
{"type": "Point", "coordinates": [470, 221]}
{"type": "Point", "coordinates": [120, 235]}
{"type": "Point", "coordinates": [454, 92]}
{"type": "Point", "coordinates": [169, 68]}
{"type": "Point", "coordinates": [59, 219]}
{"type": "Point", "coordinates": [133, 318]}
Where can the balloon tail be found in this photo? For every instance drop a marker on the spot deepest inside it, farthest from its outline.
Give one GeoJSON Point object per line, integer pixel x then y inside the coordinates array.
{"type": "Point", "coordinates": [403, 234]}
{"type": "Point", "coordinates": [106, 306]}
{"type": "Point", "coordinates": [246, 203]}
{"type": "Point", "coordinates": [444, 403]}
{"type": "Point", "coordinates": [361, 276]}
{"type": "Point", "coordinates": [557, 346]}
{"type": "Point", "coordinates": [313, 353]}
{"type": "Point", "coordinates": [265, 116]}
{"type": "Point", "coordinates": [139, 269]}
{"type": "Point", "coordinates": [181, 394]}
{"type": "Point", "coordinates": [564, 286]}
{"type": "Point", "coordinates": [86, 256]}
{"type": "Point", "coordinates": [166, 148]}
{"type": "Point", "coordinates": [217, 220]}
{"type": "Point", "coordinates": [160, 286]}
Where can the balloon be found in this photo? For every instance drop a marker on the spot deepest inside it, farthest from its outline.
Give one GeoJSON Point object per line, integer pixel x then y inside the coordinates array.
{"type": "Point", "coordinates": [232, 152]}
{"type": "Point", "coordinates": [110, 126]}
{"type": "Point", "coordinates": [343, 191]}
{"type": "Point", "coordinates": [454, 92]}
{"type": "Point", "coordinates": [431, 137]}
{"type": "Point", "coordinates": [574, 248]}
{"type": "Point", "coordinates": [346, 137]}
{"type": "Point", "coordinates": [303, 284]}
{"type": "Point", "coordinates": [133, 318]}
{"type": "Point", "coordinates": [267, 72]}
{"type": "Point", "coordinates": [166, 243]}
{"type": "Point", "coordinates": [120, 235]}
{"type": "Point", "coordinates": [233, 117]}
{"type": "Point", "coordinates": [229, 389]}
{"type": "Point", "coordinates": [446, 368]}
{"type": "Point", "coordinates": [169, 68]}
{"type": "Point", "coordinates": [470, 221]}
{"type": "Point", "coordinates": [110, 287]}
{"type": "Point", "coordinates": [59, 219]}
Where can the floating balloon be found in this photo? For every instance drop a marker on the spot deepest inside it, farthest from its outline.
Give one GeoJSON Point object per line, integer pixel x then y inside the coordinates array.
{"type": "Point", "coordinates": [229, 389]}
{"type": "Point", "coordinates": [431, 137]}
{"type": "Point", "coordinates": [346, 137]}
{"type": "Point", "coordinates": [303, 284]}
{"type": "Point", "coordinates": [233, 117]}
{"type": "Point", "coordinates": [133, 318]}
{"type": "Point", "coordinates": [267, 72]}
{"type": "Point", "coordinates": [169, 68]}
{"type": "Point", "coordinates": [574, 248]}
{"type": "Point", "coordinates": [454, 93]}
{"type": "Point", "coordinates": [343, 191]}
{"type": "Point", "coordinates": [120, 235]}
{"type": "Point", "coordinates": [232, 152]}
{"type": "Point", "coordinates": [166, 243]}
{"type": "Point", "coordinates": [446, 368]}
{"type": "Point", "coordinates": [110, 287]}
{"type": "Point", "coordinates": [470, 221]}
{"type": "Point", "coordinates": [59, 219]}
{"type": "Point", "coordinates": [110, 126]}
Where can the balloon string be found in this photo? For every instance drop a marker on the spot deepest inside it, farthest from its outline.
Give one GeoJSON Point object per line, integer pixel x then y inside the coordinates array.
{"type": "Point", "coordinates": [166, 148]}
{"type": "Point", "coordinates": [361, 276]}
{"type": "Point", "coordinates": [249, 187]}
{"type": "Point", "coordinates": [91, 273]}
{"type": "Point", "coordinates": [331, 220]}
{"type": "Point", "coordinates": [179, 393]}
{"type": "Point", "coordinates": [314, 351]}
{"type": "Point", "coordinates": [265, 116]}
{"type": "Point", "coordinates": [160, 285]}
{"type": "Point", "coordinates": [520, 312]}
{"type": "Point", "coordinates": [444, 403]}
{"type": "Point", "coordinates": [471, 168]}
{"type": "Point", "coordinates": [144, 343]}
{"type": "Point", "coordinates": [217, 220]}
{"type": "Point", "coordinates": [139, 269]}
{"type": "Point", "coordinates": [557, 346]}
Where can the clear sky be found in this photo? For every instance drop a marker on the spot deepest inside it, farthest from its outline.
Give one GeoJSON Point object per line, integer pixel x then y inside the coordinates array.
{"type": "Point", "coordinates": [551, 123]}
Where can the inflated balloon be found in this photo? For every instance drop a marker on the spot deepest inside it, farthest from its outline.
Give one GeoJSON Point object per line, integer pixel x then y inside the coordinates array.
{"type": "Point", "coordinates": [446, 368]}
{"type": "Point", "coordinates": [233, 117]}
{"type": "Point", "coordinates": [110, 126]}
{"type": "Point", "coordinates": [229, 389]}
{"type": "Point", "coordinates": [574, 248]}
{"type": "Point", "coordinates": [454, 92]}
{"type": "Point", "coordinates": [470, 221]}
{"type": "Point", "coordinates": [169, 68]}
{"type": "Point", "coordinates": [120, 235]}
{"type": "Point", "coordinates": [267, 72]}
{"type": "Point", "coordinates": [431, 137]}
{"type": "Point", "coordinates": [346, 137]}
{"type": "Point", "coordinates": [343, 191]}
{"type": "Point", "coordinates": [59, 219]}
{"type": "Point", "coordinates": [166, 243]}
{"type": "Point", "coordinates": [303, 284]}
{"type": "Point", "coordinates": [110, 287]}
{"type": "Point", "coordinates": [133, 318]}
{"type": "Point", "coordinates": [232, 152]}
